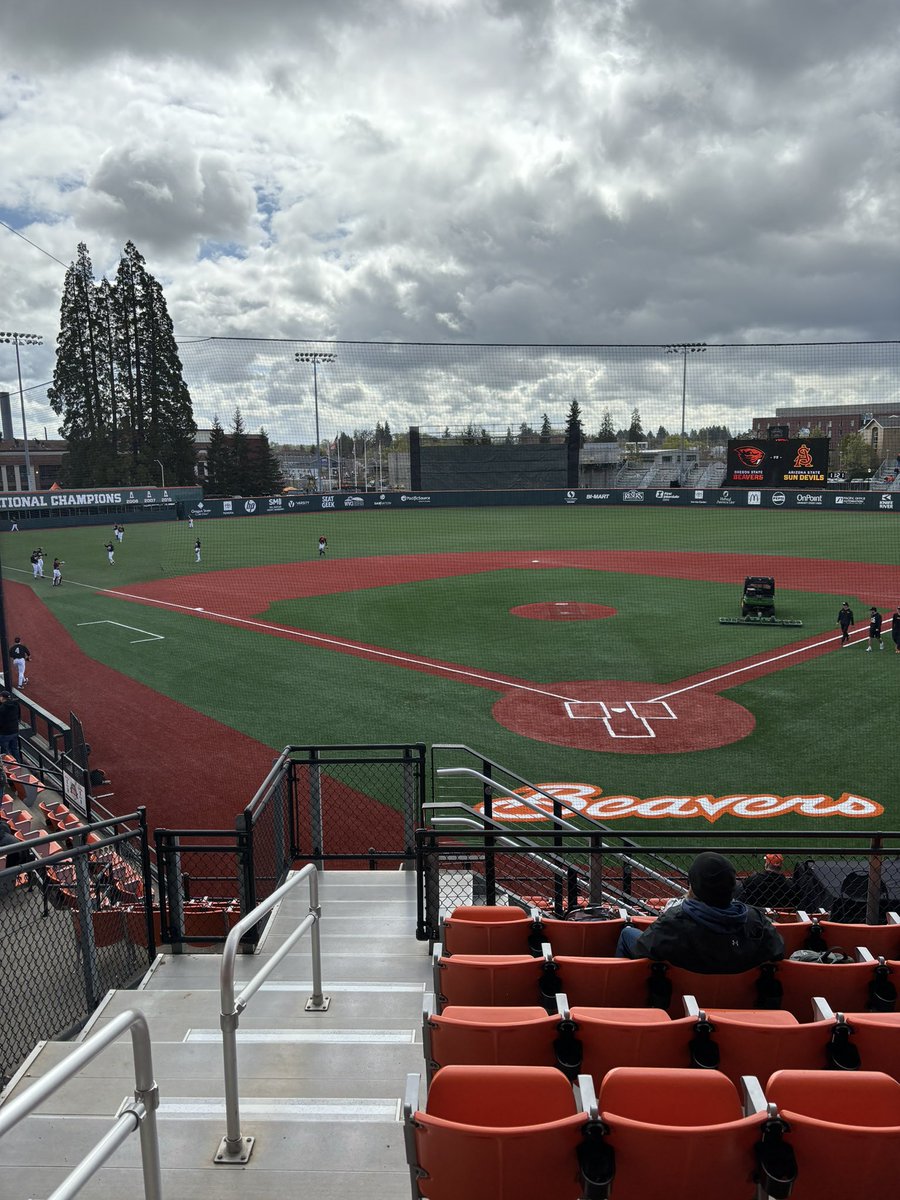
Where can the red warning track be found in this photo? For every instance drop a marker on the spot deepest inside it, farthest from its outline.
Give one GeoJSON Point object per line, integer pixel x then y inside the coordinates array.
{"type": "Point", "coordinates": [610, 715]}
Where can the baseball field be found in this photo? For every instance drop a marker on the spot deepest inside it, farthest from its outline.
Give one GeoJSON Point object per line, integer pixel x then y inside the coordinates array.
{"type": "Point", "coordinates": [577, 647]}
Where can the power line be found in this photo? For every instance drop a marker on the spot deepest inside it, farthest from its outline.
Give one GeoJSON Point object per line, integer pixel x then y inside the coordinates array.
{"type": "Point", "coordinates": [65, 266]}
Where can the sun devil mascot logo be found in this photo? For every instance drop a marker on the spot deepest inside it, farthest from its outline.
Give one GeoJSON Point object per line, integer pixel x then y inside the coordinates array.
{"type": "Point", "coordinates": [751, 456]}
{"type": "Point", "coordinates": [804, 459]}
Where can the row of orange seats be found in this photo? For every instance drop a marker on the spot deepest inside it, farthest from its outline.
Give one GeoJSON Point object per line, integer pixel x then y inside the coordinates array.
{"type": "Point", "coordinates": [481, 929]}
{"type": "Point", "coordinates": [652, 1134]}
{"type": "Point", "coordinates": [594, 1040]}
{"type": "Point", "coordinates": [515, 979]}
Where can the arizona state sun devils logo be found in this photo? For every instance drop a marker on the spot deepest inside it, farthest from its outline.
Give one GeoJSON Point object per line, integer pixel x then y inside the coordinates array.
{"type": "Point", "coordinates": [803, 461]}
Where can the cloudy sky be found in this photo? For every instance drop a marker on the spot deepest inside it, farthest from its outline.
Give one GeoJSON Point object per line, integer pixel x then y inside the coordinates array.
{"type": "Point", "coordinates": [459, 172]}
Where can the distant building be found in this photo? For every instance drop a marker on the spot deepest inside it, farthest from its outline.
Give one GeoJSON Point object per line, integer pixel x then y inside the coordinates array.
{"type": "Point", "coordinates": [834, 420]}
{"type": "Point", "coordinates": [45, 458]}
{"type": "Point", "coordinates": [883, 435]}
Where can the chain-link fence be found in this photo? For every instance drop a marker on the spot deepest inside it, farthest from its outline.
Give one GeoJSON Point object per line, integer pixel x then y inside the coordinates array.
{"type": "Point", "coordinates": [76, 922]}
{"type": "Point", "coordinates": [853, 878]}
{"type": "Point", "coordinates": [357, 804]}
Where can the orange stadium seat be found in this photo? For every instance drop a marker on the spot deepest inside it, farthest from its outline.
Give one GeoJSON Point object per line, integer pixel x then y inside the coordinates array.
{"type": "Point", "coordinates": [682, 1134]}
{"type": "Point", "coordinates": [581, 939]}
{"type": "Point", "coordinates": [879, 940]}
{"type": "Point", "coordinates": [487, 930]}
{"type": "Point", "coordinates": [471, 1035]}
{"type": "Point", "coordinates": [492, 1132]}
{"type": "Point", "coordinates": [489, 979]}
{"type": "Point", "coordinates": [606, 1038]}
{"type": "Point", "coordinates": [759, 1043]}
{"type": "Point", "coordinates": [848, 987]}
{"type": "Point", "coordinates": [603, 982]}
{"type": "Point", "coordinates": [844, 1130]}
{"type": "Point", "coordinates": [756, 989]}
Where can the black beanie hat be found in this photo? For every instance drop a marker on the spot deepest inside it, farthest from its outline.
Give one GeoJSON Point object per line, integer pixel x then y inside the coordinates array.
{"type": "Point", "coordinates": [713, 879]}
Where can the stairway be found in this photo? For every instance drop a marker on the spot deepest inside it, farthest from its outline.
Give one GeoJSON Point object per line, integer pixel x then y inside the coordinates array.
{"type": "Point", "coordinates": [321, 1092]}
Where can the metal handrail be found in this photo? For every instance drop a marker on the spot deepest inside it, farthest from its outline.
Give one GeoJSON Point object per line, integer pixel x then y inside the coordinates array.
{"type": "Point", "coordinates": [235, 1148]}
{"type": "Point", "coordinates": [560, 822]}
{"type": "Point", "coordinates": [139, 1114]}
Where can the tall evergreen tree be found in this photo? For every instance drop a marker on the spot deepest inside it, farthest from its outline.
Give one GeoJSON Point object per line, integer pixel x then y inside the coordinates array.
{"type": "Point", "coordinates": [546, 429]}
{"type": "Point", "coordinates": [607, 428]}
{"type": "Point", "coordinates": [508, 440]}
{"type": "Point", "coordinates": [267, 478]}
{"type": "Point", "coordinates": [118, 380]}
{"type": "Point", "coordinates": [219, 462]}
{"type": "Point", "coordinates": [80, 390]}
{"type": "Point", "coordinates": [574, 427]}
{"type": "Point", "coordinates": [242, 465]}
{"type": "Point", "coordinates": [635, 429]}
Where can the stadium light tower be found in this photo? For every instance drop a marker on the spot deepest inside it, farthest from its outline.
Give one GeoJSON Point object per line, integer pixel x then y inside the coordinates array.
{"type": "Point", "coordinates": [315, 357]}
{"type": "Point", "coordinates": [23, 339]}
{"type": "Point", "coordinates": [684, 349]}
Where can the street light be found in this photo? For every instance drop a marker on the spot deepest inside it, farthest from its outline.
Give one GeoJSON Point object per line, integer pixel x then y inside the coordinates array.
{"type": "Point", "coordinates": [684, 349]}
{"type": "Point", "coordinates": [315, 357]}
{"type": "Point", "coordinates": [162, 472]}
{"type": "Point", "coordinates": [23, 339]}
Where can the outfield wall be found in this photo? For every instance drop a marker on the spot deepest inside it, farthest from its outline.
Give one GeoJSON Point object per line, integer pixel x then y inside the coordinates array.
{"type": "Point", "coordinates": [263, 506]}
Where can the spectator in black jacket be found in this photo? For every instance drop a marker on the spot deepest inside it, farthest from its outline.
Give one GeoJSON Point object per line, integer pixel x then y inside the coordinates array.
{"type": "Point", "coordinates": [770, 887]}
{"type": "Point", "coordinates": [709, 932]}
{"type": "Point", "coordinates": [10, 716]}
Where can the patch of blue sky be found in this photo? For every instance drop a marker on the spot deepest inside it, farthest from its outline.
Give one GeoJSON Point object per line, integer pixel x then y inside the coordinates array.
{"type": "Point", "coordinates": [21, 216]}
{"type": "Point", "coordinates": [266, 205]}
{"type": "Point", "coordinates": [216, 250]}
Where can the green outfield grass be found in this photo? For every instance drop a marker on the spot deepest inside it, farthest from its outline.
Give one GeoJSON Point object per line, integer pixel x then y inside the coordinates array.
{"type": "Point", "coordinates": [822, 726]}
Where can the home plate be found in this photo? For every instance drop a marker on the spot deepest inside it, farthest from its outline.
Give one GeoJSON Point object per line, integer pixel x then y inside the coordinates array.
{"type": "Point", "coordinates": [199, 610]}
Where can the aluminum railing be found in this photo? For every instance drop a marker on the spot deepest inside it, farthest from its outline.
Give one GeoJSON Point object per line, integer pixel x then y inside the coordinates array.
{"type": "Point", "coordinates": [234, 1146]}
{"type": "Point", "coordinates": [561, 823]}
{"type": "Point", "coordinates": [137, 1114]}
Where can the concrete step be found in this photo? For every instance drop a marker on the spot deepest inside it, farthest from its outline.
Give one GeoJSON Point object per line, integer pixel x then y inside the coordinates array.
{"type": "Point", "coordinates": [290, 1158]}
{"type": "Point", "coordinates": [184, 971]}
{"type": "Point", "coordinates": [279, 1004]}
{"type": "Point", "coordinates": [194, 1069]}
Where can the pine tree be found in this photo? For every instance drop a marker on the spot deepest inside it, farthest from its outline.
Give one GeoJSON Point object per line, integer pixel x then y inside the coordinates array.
{"type": "Point", "coordinates": [266, 477]}
{"type": "Point", "coordinates": [635, 429]}
{"type": "Point", "coordinates": [607, 429]}
{"type": "Point", "coordinates": [387, 438]}
{"type": "Point", "coordinates": [80, 391]}
{"type": "Point", "coordinates": [219, 462]}
{"type": "Point", "coordinates": [509, 439]}
{"type": "Point", "coordinates": [574, 427]}
{"type": "Point", "coordinates": [546, 428]}
{"type": "Point", "coordinates": [118, 380]}
{"type": "Point", "coordinates": [484, 438]}
{"type": "Point", "coordinates": [241, 462]}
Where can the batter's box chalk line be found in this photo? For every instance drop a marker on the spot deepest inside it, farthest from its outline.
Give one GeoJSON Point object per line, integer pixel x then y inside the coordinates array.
{"type": "Point", "coordinates": [625, 719]}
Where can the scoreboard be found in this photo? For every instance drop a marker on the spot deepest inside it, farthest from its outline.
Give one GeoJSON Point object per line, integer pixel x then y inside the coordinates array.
{"type": "Point", "coordinates": [782, 463]}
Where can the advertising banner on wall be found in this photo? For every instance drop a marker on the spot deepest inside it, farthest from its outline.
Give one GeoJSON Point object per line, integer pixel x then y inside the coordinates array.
{"type": "Point", "coordinates": [787, 462]}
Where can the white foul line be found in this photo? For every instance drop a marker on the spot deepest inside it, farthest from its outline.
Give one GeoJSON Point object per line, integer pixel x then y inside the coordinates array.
{"type": "Point", "coordinates": [151, 637]}
{"type": "Point", "coordinates": [401, 658]}
{"type": "Point", "coordinates": [750, 666]}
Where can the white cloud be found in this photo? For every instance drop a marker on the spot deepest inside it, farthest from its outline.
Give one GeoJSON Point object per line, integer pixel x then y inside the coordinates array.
{"type": "Point", "coordinates": [463, 170]}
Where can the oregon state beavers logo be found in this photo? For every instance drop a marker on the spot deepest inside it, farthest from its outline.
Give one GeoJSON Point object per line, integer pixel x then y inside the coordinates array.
{"type": "Point", "coordinates": [751, 456]}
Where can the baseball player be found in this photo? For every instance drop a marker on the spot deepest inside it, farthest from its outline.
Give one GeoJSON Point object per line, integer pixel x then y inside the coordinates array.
{"type": "Point", "coordinates": [19, 655]}
{"type": "Point", "coordinates": [110, 553]}
{"type": "Point", "coordinates": [323, 546]}
{"type": "Point", "coordinates": [35, 562]}
{"type": "Point", "coordinates": [57, 572]}
{"type": "Point", "coordinates": [197, 551]}
{"type": "Point", "coordinates": [874, 630]}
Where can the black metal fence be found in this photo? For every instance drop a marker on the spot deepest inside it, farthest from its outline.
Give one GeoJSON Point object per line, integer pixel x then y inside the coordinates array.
{"type": "Point", "coordinates": [334, 805]}
{"type": "Point", "coordinates": [77, 921]}
{"type": "Point", "coordinates": [852, 877]}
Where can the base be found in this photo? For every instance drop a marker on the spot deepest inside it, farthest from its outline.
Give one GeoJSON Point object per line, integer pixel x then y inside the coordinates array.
{"type": "Point", "coordinates": [240, 1154]}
